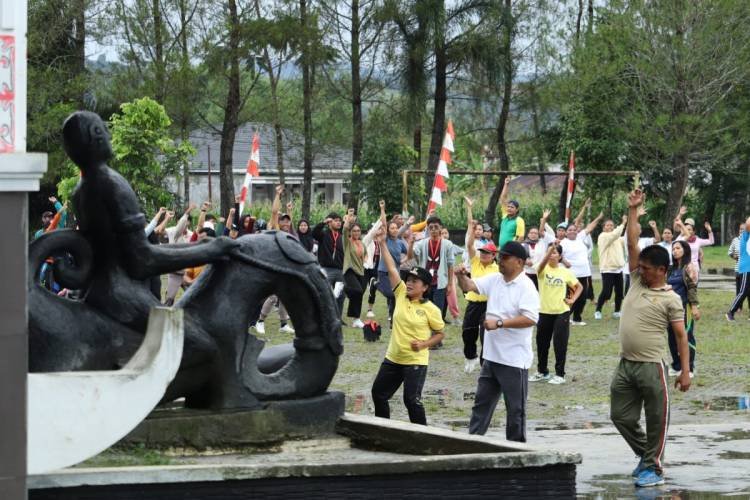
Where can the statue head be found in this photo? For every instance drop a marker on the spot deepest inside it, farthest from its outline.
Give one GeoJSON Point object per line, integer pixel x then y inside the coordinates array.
{"type": "Point", "coordinates": [86, 139]}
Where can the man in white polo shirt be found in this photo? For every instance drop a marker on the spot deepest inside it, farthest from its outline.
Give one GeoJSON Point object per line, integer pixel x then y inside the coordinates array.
{"type": "Point", "coordinates": [512, 311]}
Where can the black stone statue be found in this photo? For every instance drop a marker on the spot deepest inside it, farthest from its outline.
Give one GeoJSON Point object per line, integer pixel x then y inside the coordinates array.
{"type": "Point", "coordinates": [111, 261]}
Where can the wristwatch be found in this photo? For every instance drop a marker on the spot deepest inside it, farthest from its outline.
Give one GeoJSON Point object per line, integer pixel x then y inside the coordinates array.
{"type": "Point", "coordinates": [500, 322]}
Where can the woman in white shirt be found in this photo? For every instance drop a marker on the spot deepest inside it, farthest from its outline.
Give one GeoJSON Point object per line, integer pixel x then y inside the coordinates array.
{"type": "Point", "coordinates": [576, 257]}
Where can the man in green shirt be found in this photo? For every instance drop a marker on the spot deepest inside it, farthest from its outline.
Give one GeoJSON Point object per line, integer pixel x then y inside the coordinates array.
{"type": "Point", "coordinates": [640, 379]}
{"type": "Point", "coordinates": [512, 227]}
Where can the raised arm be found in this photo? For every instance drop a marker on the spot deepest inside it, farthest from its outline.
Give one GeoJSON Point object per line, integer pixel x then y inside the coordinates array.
{"type": "Point", "coordinates": [410, 249]}
{"type": "Point", "coordinates": [383, 217]}
{"type": "Point", "coordinates": [543, 223]}
{"type": "Point", "coordinates": [545, 259]}
{"type": "Point", "coordinates": [655, 229]}
{"type": "Point", "coordinates": [504, 192]}
{"type": "Point", "coordinates": [169, 215]}
{"type": "Point", "coordinates": [635, 201]}
{"type": "Point", "coordinates": [202, 216]}
{"type": "Point", "coordinates": [678, 225]}
{"type": "Point", "coordinates": [385, 255]}
{"type": "Point", "coordinates": [469, 228]}
{"type": "Point", "coordinates": [710, 240]}
{"type": "Point", "coordinates": [579, 218]}
{"type": "Point", "coordinates": [592, 225]}
{"type": "Point", "coordinates": [275, 208]}
{"type": "Point", "coordinates": [155, 221]}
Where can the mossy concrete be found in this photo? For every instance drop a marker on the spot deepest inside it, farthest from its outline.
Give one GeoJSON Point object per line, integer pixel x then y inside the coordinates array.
{"type": "Point", "coordinates": [278, 421]}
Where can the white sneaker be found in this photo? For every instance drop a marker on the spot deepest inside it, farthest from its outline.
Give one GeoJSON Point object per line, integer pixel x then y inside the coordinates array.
{"type": "Point", "coordinates": [540, 377]}
{"type": "Point", "coordinates": [338, 288]}
{"type": "Point", "coordinates": [260, 327]}
{"type": "Point", "coordinates": [692, 374]}
{"type": "Point", "coordinates": [357, 323]}
{"type": "Point", "coordinates": [286, 329]}
{"type": "Point", "coordinates": [597, 315]}
{"type": "Point", "coordinates": [616, 315]}
{"type": "Point", "coordinates": [370, 314]}
{"type": "Point", "coordinates": [674, 373]}
{"type": "Point", "coordinates": [470, 365]}
{"type": "Point", "coordinates": [556, 380]}
{"type": "Point", "coordinates": [577, 323]}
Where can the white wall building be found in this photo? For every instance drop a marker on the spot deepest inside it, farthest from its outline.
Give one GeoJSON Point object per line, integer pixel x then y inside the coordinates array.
{"type": "Point", "coordinates": [331, 165]}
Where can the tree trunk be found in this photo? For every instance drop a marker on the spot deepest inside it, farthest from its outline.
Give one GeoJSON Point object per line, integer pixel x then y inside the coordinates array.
{"type": "Point", "coordinates": [679, 184]}
{"type": "Point", "coordinates": [159, 69]}
{"type": "Point", "coordinates": [441, 96]}
{"type": "Point", "coordinates": [537, 136]}
{"type": "Point", "coordinates": [231, 113]}
{"type": "Point", "coordinates": [307, 115]}
{"type": "Point", "coordinates": [79, 37]}
{"type": "Point", "coordinates": [184, 116]}
{"type": "Point", "coordinates": [357, 139]}
{"type": "Point", "coordinates": [578, 20]}
{"type": "Point", "coordinates": [279, 137]}
{"type": "Point", "coordinates": [590, 23]}
{"type": "Point", "coordinates": [502, 146]}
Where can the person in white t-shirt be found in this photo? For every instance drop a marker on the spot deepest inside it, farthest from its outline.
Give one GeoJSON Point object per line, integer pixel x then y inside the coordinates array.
{"type": "Point", "coordinates": [512, 311]}
{"type": "Point", "coordinates": [536, 243]}
{"type": "Point", "coordinates": [576, 257]}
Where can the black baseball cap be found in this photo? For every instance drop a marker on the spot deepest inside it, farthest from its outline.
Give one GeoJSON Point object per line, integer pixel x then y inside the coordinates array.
{"type": "Point", "coordinates": [421, 273]}
{"type": "Point", "coordinates": [514, 249]}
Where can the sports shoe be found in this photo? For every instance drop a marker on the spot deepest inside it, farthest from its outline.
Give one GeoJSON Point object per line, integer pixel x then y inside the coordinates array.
{"type": "Point", "coordinates": [470, 365]}
{"type": "Point", "coordinates": [338, 288]}
{"type": "Point", "coordinates": [648, 477]}
{"type": "Point", "coordinates": [540, 377]}
{"type": "Point", "coordinates": [556, 380]}
{"type": "Point", "coordinates": [357, 323]}
{"type": "Point", "coordinates": [286, 329]}
{"type": "Point", "coordinates": [638, 468]}
{"type": "Point", "coordinates": [577, 323]}
{"type": "Point", "coordinates": [616, 315]}
{"type": "Point", "coordinates": [370, 314]}
{"type": "Point", "coordinates": [260, 327]}
{"type": "Point", "coordinates": [597, 315]}
{"type": "Point", "coordinates": [692, 374]}
{"type": "Point", "coordinates": [729, 316]}
{"type": "Point", "coordinates": [674, 373]}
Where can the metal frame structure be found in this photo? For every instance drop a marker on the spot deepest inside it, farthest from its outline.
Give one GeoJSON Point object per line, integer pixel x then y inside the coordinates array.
{"type": "Point", "coordinates": [405, 176]}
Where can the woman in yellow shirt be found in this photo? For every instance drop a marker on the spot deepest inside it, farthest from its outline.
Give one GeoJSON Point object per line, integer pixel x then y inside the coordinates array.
{"type": "Point", "coordinates": [417, 326]}
{"type": "Point", "coordinates": [554, 313]}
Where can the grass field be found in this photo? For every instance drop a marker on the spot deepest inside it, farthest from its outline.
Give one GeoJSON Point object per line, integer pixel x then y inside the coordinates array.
{"type": "Point", "coordinates": [714, 257]}
{"type": "Point", "coordinates": [721, 365]}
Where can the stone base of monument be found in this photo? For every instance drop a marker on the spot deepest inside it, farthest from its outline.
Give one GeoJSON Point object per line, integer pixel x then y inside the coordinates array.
{"type": "Point", "coordinates": [275, 423]}
{"type": "Point", "coordinates": [361, 457]}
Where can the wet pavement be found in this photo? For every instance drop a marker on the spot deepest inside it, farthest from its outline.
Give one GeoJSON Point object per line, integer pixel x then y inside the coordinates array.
{"type": "Point", "coordinates": [701, 461]}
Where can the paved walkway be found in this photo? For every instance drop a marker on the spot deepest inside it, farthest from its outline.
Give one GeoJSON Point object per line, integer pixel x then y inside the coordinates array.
{"type": "Point", "coordinates": [701, 460]}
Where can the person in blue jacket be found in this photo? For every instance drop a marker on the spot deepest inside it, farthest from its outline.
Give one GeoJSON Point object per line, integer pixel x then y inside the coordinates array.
{"type": "Point", "coordinates": [743, 270]}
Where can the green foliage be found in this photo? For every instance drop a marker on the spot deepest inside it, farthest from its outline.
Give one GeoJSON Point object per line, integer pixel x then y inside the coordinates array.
{"type": "Point", "coordinates": [144, 152]}
{"type": "Point", "coordinates": [382, 164]}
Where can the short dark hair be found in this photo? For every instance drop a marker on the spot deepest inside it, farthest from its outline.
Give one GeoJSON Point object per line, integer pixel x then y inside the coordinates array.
{"type": "Point", "coordinates": [559, 248]}
{"type": "Point", "coordinates": [210, 217]}
{"type": "Point", "coordinates": [434, 220]}
{"type": "Point", "coordinates": [655, 255]}
{"type": "Point", "coordinates": [208, 231]}
{"type": "Point", "coordinates": [334, 216]}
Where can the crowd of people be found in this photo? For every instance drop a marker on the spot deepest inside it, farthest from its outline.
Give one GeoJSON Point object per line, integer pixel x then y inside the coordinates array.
{"type": "Point", "coordinates": [537, 277]}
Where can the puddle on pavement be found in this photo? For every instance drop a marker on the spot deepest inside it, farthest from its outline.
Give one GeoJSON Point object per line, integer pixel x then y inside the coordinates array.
{"type": "Point", "coordinates": [735, 435]}
{"type": "Point", "coordinates": [725, 403]}
{"type": "Point", "coordinates": [735, 455]}
{"type": "Point", "coordinates": [571, 427]}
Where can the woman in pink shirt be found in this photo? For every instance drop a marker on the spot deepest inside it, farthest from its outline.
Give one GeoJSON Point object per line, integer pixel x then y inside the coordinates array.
{"type": "Point", "coordinates": [687, 233]}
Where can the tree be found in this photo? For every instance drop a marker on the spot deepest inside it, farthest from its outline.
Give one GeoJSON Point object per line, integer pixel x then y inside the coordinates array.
{"type": "Point", "coordinates": [144, 152]}
{"type": "Point", "coordinates": [382, 163]}
{"type": "Point", "coordinates": [356, 31]}
{"type": "Point", "coordinates": [656, 77]}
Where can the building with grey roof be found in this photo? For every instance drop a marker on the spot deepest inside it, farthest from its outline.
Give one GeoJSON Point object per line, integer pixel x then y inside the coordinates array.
{"type": "Point", "coordinates": [332, 165]}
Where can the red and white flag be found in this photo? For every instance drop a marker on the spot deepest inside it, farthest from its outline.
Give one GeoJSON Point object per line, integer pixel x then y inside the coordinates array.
{"type": "Point", "coordinates": [571, 183]}
{"type": "Point", "coordinates": [440, 184]}
{"type": "Point", "coordinates": [252, 171]}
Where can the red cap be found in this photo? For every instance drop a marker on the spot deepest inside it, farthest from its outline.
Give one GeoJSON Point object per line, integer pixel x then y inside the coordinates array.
{"type": "Point", "coordinates": [489, 247]}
